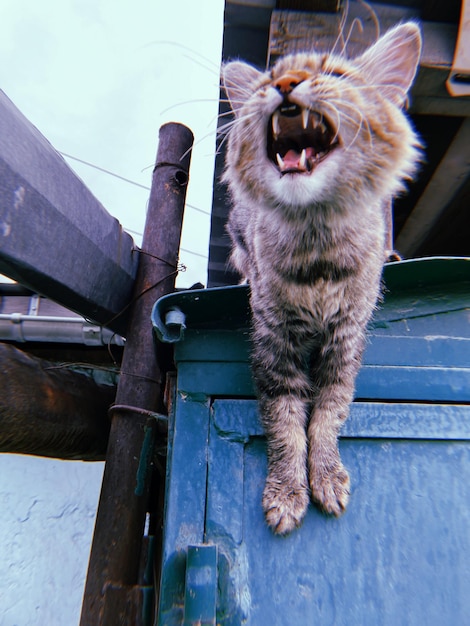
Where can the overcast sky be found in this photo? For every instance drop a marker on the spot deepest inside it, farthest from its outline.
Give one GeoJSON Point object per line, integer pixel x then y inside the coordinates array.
{"type": "Point", "coordinates": [98, 79]}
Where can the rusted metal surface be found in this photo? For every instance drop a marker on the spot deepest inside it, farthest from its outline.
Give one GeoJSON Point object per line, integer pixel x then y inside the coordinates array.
{"type": "Point", "coordinates": [115, 556]}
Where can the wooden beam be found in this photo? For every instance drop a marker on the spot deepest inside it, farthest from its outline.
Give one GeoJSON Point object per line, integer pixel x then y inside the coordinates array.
{"type": "Point", "coordinates": [55, 237]}
{"type": "Point", "coordinates": [51, 411]}
{"type": "Point", "coordinates": [458, 82]}
{"type": "Point", "coordinates": [449, 176]}
{"type": "Point", "coordinates": [309, 5]}
{"type": "Point", "coordinates": [298, 31]}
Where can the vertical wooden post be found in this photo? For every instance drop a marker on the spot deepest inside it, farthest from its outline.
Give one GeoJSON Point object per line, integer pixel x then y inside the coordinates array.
{"type": "Point", "coordinates": [110, 591]}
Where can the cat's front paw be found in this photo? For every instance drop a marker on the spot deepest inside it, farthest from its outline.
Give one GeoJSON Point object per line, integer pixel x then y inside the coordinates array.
{"type": "Point", "coordinates": [284, 506]}
{"type": "Point", "coordinates": [330, 488]}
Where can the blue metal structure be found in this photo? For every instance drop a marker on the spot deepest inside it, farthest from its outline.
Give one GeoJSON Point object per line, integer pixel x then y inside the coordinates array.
{"type": "Point", "coordinates": [400, 554]}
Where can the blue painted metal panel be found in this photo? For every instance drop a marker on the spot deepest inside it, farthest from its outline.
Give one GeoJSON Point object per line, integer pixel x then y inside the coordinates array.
{"type": "Point", "coordinates": [237, 421]}
{"type": "Point", "coordinates": [439, 384]}
{"type": "Point", "coordinates": [184, 502]}
{"type": "Point", "coordinates": [418, 345]}
{"type": "Point", "coordinates": [201, 586]}
{"type": "Point", "coordinates": [399, 555]}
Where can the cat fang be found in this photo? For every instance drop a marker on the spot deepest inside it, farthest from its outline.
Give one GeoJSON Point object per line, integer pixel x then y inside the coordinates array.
{"type": "Point", "coordinates": [299, 139]}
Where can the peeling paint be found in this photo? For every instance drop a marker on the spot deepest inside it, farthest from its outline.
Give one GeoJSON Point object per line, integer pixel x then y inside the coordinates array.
{"type": "Point", "coordinates": [18, 201]}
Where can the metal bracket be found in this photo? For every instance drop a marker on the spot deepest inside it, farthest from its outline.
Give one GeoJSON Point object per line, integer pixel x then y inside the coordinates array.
{"type": "Point", "coordinates": [201, 586]}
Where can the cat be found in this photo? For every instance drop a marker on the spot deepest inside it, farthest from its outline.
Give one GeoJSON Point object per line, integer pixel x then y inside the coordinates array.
{"type": "Point", "coordinates": [317, 147]}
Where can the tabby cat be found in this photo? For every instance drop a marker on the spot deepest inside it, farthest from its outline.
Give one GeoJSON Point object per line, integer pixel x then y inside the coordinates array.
{"type": "Point", "coordinates": [317, 147]}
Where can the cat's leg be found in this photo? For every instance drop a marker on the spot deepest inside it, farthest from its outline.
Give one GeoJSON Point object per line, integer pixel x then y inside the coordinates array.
{"type": "Point", "coordinates": [333, 378]}
{"type": "Point", "coordinates": [285, 496]}
{"type": "Point", "coordinates": [283, 392]}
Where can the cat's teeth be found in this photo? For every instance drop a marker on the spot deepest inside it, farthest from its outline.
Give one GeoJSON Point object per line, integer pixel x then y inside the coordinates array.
{"type": "Point", "coordinates": [303, 160]}
{"type": "Point", "coordinates": [276, 125]}
{"type": "Point", "coordinates": [279, 160]}
{"type": "Point", "coordinates": [319, 123]}
{"type": "Point", "coordinates": [304, 118]}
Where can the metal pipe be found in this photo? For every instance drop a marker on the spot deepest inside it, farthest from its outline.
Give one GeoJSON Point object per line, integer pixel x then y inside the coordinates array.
{"type": "Point", "coordinates": [111, 590]}
{"type": "Point", "coordinates": [21, 328]}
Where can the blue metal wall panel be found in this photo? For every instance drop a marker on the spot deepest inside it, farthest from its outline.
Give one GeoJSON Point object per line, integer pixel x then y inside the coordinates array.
{"type": "Point", "coordinates": [185, 502]}
{"type": "Point", "coordinates": [399, 555]}
{"type": "Point", "coordinates": [237, 421]}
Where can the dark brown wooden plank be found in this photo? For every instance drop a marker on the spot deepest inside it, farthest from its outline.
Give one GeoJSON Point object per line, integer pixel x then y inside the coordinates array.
{"type": "Point", "coordinates": [292, 31]}
{"type": "Point", "coordinates": [52, 411]}
{"type": "Point", "coordinates": [446, 181]}
{"type": "Point", "coordinates": [309, 5]}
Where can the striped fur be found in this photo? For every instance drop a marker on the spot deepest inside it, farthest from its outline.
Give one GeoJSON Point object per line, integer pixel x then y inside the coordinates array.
{"type": "Point", "coordinates": [310, 240]}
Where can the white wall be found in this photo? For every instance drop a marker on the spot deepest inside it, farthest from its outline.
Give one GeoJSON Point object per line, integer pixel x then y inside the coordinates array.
{"type": "Point", "coordinates": [47, 515]}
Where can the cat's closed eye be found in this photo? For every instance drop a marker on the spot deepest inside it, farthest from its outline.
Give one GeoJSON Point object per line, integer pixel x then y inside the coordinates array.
{"type": "Point", "coordinates": [336, 73]}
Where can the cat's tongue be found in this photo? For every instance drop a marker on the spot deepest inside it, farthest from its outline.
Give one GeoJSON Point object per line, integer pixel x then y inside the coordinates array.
{"type": "Point", "coordinates": [301, 162]}
{"type": "Point", "coordinates": [291, 159]}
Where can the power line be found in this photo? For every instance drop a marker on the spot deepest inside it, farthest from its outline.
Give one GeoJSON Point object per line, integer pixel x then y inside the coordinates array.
{"type": "Point", "coordinates": [203, 256]}
{"type": "Point", "coordinates": [126, 180]}
{"type": "Point", "coordinates": [132, 182]}
{"type": "Point", "coordinates": [102, 169]}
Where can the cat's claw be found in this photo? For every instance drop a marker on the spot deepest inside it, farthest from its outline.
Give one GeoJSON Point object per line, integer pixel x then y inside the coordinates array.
{"type": "Point", "coordinates": [284, 507]}
{"type": "Point", "coordinates": [331, 490]}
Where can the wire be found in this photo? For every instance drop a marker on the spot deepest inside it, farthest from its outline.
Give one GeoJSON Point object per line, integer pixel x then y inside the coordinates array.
{"type": "Point", "coordinates": [203, 256]}
{"type": "Point", "coordinates": [101, 169]}
{"type": "Point", "coordinates": [132, 182]}
{"type": "Point", "coordinates": [127, 180]}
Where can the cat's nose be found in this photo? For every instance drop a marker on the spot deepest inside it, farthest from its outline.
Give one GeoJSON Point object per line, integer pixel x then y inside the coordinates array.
{"type": "Point", "coordinates": [287, 83]}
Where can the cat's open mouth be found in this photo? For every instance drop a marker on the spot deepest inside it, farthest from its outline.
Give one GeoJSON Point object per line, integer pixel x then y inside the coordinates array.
{"type": "Point", "coordinates": [298, 138]}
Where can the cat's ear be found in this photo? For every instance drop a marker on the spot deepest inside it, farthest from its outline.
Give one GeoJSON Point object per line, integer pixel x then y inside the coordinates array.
{"type": "Point", "coordinates": [238, 79]}
{"type": "Point", "coordinates": [392, 61]}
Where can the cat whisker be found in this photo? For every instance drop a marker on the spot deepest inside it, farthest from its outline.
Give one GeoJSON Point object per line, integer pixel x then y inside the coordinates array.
{"type": "Point", "coordinates": [186, 102]}
{"type": "Point", "coordinates": [391, 92]}
{"type": "Point", "coordinates": [356, 22]}
{"type": "Point", "coordinates": [234, 122]}
{"type": "Point", "coordinates": [361, 123]}
{"type": "Point", "coordinates": [211, 66]}
{"type": "Point", "coordinates": [219, 117]}
{"type": "Point", "coordinates": [337, 124]}
{"type": "Point", "coordinates": [342, 24]}
{"type": "Point", "coordinates": [357, 122]}
{"type": "Point", "coordinates": [373, 16]}
{"type": "Point", "coordinates": [225, 84]}
{"type": "Point", "coordinates": [222, 130]}
{"type": "Point", "coordinates": [203, 65]}
{"type": "Point", "coordinates": [220, 145]}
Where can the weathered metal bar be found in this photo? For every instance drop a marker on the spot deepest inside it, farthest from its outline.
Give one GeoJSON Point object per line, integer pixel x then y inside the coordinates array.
{"type": "Point", "coordinates": [116, 548]}
{"type": "Point", "coordinates": [55, 237]}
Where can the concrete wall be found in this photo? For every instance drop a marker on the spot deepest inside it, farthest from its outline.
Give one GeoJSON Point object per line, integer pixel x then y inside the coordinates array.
{"type": "Point", "coordinates": [47, 515]}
